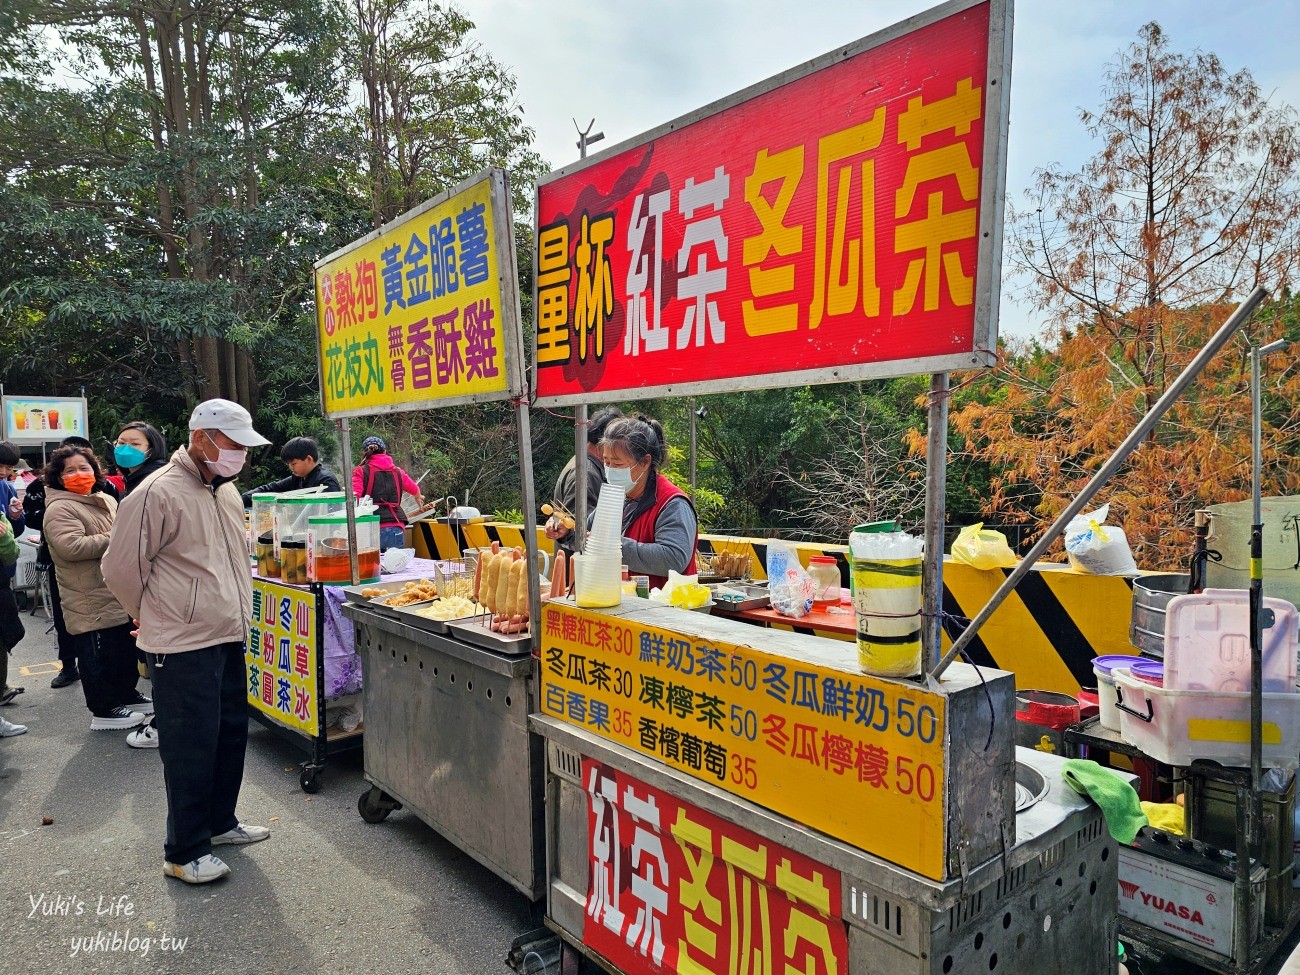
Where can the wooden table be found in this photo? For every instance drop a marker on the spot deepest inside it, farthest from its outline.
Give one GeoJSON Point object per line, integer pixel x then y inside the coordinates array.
{"type": "Point", "coordinates": [833, 626]}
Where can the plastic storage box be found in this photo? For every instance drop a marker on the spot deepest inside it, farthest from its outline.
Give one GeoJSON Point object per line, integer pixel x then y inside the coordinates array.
{"type": "Point", "coordinates": [1207, 643]}
{"type": "Point", "coordinates": [1178, 727]}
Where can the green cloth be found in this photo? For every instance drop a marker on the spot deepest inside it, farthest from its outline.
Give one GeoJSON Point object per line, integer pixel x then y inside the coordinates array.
{"type": "Point", "coordinates": [1118, 800]}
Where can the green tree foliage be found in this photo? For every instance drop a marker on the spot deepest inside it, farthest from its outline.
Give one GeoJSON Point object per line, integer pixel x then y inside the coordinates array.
{"type": "Point", "coordinates": [1190, 200]}
{"type": "Point", "coordinates": [174, 169]}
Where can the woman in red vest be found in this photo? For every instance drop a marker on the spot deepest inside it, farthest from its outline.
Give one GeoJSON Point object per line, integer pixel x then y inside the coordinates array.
{"type": "Point", "coordinates": [660, 529]}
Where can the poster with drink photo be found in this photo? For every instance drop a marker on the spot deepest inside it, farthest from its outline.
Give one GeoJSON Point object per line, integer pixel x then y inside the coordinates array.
{"type": "Point", "coordinates": [44, 419]}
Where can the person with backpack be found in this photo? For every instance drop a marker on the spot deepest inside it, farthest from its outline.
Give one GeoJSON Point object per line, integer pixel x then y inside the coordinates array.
{"type": "Point", "coordinates": [378, 477]}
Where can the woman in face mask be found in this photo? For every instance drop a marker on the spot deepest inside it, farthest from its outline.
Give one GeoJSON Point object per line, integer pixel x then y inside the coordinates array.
{"type": "Point", "coordinates": [139, 450]}
{"type": "Point", "coordinates": [660, 529]}
{"type": "Point", "coordinates": [78, 520]}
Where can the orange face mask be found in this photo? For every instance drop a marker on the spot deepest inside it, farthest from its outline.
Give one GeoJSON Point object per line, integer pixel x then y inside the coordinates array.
{"type": "Point", "coordinates": [83, 482]}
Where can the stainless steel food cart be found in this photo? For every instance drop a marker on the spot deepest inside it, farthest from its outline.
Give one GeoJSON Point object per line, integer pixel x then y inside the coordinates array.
{"type": "Point", "coordinates": [447, 738]}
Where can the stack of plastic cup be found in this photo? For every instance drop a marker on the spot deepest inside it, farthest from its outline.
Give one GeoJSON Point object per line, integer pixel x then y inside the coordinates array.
{"type": "Point", "coordinates": [598, 570]}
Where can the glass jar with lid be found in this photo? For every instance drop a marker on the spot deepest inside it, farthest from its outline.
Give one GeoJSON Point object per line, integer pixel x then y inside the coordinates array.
{"type": "Point", "coordinates": [825, 572]}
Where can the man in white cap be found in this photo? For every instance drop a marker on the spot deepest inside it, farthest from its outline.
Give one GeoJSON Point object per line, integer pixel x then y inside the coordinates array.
{"type": "Point", "coordinates": [178, 564]}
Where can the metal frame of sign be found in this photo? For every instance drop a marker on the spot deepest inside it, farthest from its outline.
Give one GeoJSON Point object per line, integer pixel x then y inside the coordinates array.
{"type": "Point", "coordinates": [27, 437]}
{"type": "Point", "coordinates": [987, 282]}
{"type": "Point", "coordinates": [511, 330]}
{"type": "Point", "coordinates": [516, 385]}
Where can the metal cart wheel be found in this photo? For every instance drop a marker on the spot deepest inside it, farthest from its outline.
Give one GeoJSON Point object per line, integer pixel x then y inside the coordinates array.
{"type": "Point", "coordinates": [309, 779]}
{"type": "Point", "coordinates": [375, 804]}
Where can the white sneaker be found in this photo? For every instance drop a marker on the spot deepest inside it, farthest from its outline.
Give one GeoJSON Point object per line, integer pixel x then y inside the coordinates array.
{"type": "Point", "coordinates": [242, 834]}
{"type": "Point", "coordinates": [117, 718]}
{"type": "Point", "coordinates": [146, 736]}
{"type": "Point", "coordinates": [140, 703]}
{"type": "Point", "coordinates": [204, 870]}
{"type": "Point", "coordinates": [8, 729]}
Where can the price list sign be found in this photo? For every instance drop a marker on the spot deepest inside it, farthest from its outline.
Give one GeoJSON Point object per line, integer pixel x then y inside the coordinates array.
{"type": "Point", "coordinates": [857, 757]}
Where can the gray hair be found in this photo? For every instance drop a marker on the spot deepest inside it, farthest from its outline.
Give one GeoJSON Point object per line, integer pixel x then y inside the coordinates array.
{"type": "Point", "coordinates": [638, 435]}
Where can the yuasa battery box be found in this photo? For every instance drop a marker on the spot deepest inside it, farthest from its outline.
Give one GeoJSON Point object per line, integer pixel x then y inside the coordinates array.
{"type": "Point", "coordinates": [1184, 888]}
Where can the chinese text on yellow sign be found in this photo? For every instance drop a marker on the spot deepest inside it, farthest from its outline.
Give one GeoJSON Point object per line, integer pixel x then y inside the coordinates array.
{"type": "Point", "coordinates": [280, 656]}
{"type": "Point", "coordinates": [420, 315]}
{"type": "Point", "coordinates": [839, 751]}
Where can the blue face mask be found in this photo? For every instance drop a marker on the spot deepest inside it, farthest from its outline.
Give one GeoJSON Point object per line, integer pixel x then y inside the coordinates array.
{"type": "Point", "coordinates": [128, 456]}
{"type": "Point", "coordinates": [620, 477]}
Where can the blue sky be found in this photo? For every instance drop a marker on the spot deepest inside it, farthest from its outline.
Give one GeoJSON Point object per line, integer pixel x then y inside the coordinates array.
{"type": "Point", "coordinates": [645, 62]}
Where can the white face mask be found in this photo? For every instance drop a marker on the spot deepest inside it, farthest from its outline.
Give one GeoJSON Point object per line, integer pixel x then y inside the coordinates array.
{"type": "Point", "coordinates": [228, 462]}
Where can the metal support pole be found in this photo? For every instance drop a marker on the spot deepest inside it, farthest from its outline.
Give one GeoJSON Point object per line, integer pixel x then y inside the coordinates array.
{"type": "Point", "coordinates": [523, 432]}
{"type": "Point", "coordinates": [579, 478]}
{"type": "Point", "coordinates": [1254, 827]}
{"type": "Point", "coordinates": [1130, 444]}
{"type": "Point", "coordinates": [690, 405]}
{"type": "Point", "coordinates": [585, 138]}
{"type": "Point", "coordinates": [345, 437]}
{"type": "Point", "coordinates": [936, 487]}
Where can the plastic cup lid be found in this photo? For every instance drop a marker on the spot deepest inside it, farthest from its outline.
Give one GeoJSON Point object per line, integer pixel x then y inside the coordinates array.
{"type": "Point", "coordinates": [1108, 662]}
{"type": "Point", "coordinates": [877, 526]}
{"type": "Point", "coordinates": [1148, 668]}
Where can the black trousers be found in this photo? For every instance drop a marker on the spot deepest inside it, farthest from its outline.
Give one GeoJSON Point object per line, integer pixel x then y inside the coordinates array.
{"type": "Point", "coordinates": [108, 669]}
{"type": "Point", "coordinates": [67, 642]}
{"type": "Point", "coordinates": [201, 710]}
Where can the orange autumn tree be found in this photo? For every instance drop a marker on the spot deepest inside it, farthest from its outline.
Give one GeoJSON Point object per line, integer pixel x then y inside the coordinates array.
{"type": "Point", "coordinates": [1135, 260]}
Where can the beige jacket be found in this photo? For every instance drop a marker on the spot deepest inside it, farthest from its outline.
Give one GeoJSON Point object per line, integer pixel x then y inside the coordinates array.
{"type": "Point", "coordinates": [76, 528]}
{"type": "Point", "coordinates": [178, 560]}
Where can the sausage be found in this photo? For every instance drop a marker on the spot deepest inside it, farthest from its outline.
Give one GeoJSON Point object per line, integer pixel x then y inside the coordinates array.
{"type": "Point", "coordinates": [503, 582]}
{"type": "Point", "coordinates": [557, 576]}
{"type": "Point", "coordinates": [478, 576]}
{"type": "Point", "coordinates": [489, 595]}
{"type": "Point", "coordinates": [521, 602]}
{"type": "Point", "coordinates": [513, 605]}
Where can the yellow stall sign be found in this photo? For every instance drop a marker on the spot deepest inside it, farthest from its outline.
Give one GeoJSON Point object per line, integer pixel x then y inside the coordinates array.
{"type": "Point", "coordinates": [856, 757]}
{"type": "Point", "coordinates": [280, 656]}
{"type": "Point", "coordinates": [425, 311]}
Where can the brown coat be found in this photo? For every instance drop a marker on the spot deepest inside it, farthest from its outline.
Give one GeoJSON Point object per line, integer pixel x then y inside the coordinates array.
{"type": "Point", "coordinates": [76, 528]}
{"type": "Point", "coordinates": [179, 560]}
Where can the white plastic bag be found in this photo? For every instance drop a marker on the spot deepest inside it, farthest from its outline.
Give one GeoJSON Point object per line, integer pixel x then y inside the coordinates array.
{"type": "Point", "coordinates": [789, 585]}
{"type": "Point", "coordinates": [1099, 549]}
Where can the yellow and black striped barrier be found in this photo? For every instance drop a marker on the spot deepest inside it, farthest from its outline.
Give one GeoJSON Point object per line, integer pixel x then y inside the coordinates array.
{"type": "Point", "coordinates": [435, 539]}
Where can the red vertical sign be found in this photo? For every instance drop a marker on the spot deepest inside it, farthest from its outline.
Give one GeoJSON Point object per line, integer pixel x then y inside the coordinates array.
{"type": "Point", "coordinates": [676, 889]}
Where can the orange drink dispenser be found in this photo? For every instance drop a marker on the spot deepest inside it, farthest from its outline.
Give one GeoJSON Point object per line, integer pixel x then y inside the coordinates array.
{"type": "Point", "coordinates": [327, 549]}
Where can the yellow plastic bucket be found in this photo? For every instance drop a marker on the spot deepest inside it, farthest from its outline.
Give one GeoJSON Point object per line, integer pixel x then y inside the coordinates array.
{"type": "Point", "coordinates": [887, 604]}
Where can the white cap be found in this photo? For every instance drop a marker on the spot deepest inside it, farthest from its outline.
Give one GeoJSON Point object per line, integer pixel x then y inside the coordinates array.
{"type": "Point", "coordinates": [228, 418]}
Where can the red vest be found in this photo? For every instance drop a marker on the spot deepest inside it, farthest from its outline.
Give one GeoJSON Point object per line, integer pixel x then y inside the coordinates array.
{"type": "Point", "coordinates": [642, 528]}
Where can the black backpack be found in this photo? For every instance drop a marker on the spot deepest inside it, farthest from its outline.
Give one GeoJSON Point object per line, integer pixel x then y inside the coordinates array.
{"type": "Point", "coordinates": [385, 490]}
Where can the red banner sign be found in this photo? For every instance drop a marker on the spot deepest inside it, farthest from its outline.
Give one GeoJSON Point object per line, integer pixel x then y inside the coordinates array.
{"type": "Point", "coordinates": [841, 225]}
{"type": "Point", "coordinates": [676, 889]}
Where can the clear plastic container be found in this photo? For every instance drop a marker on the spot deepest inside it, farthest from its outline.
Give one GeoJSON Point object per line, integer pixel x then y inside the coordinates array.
{"type": "Point", "coordinates": [887, 602]}
{"type": "Point", "coordinates": [1179, 727]}
{"type": "Point", "coordinates": [1207, 643]}
{"type": "Point", "coordinates": [825, 572]}
{"type": "Point", "coordinates": [292, 512]}
{"type": "Point", "coordinates": [328, 557]}
{"type": "Point", "coordinates": [1103, 668]}
{"type": "Point", "coordinates": [261, 535]}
